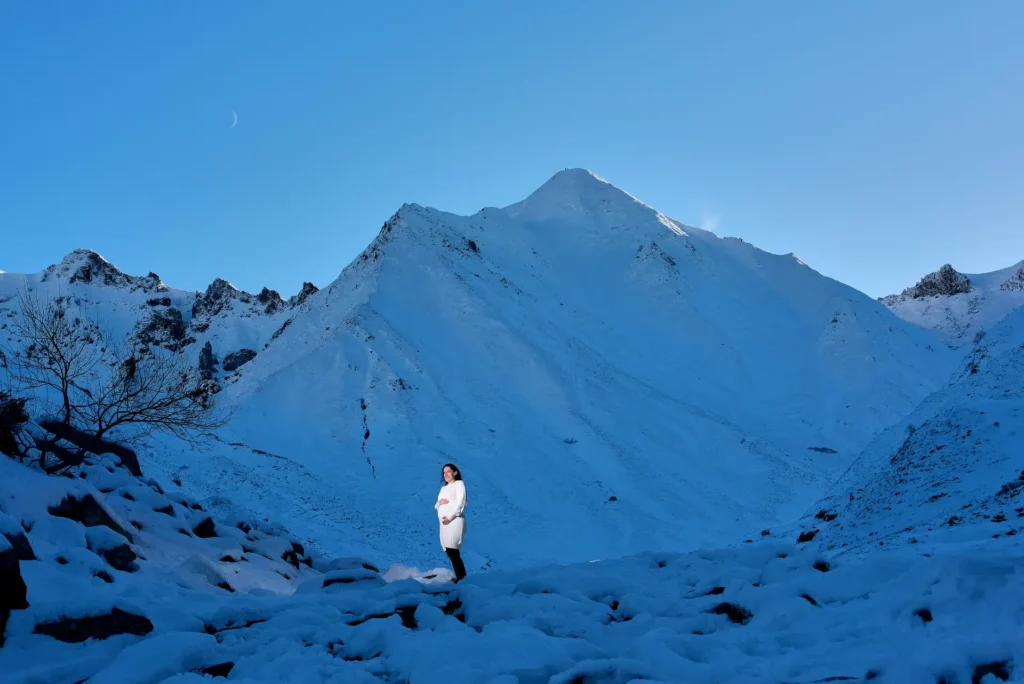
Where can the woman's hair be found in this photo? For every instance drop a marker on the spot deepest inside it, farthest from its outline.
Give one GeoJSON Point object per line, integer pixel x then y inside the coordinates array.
{"type": "Point", "coordinates": [455, 471]}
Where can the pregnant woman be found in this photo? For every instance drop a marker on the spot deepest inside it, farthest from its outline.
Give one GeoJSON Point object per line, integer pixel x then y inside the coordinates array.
{"type": "Point", "coordinates": [451, 502]}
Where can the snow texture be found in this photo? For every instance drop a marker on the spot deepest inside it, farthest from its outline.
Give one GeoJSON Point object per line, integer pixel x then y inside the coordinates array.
{"type": "Point", "coordinates": [688, 460]}
{"type": "Point", "coordinates": [770, 611]}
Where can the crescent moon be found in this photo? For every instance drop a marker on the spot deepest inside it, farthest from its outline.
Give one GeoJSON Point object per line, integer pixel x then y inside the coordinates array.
{"type": "Point", "coordinates": [235, 122]}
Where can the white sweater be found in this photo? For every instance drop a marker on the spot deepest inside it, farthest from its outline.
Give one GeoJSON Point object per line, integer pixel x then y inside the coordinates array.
{"type": "Point", "coordinates": [452, 533]}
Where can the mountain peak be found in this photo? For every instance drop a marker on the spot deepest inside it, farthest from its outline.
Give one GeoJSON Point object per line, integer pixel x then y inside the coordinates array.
{"type": "Point", "coordinates": [87, 266]}
{"type": "Point", "coordinates": [576, 195]}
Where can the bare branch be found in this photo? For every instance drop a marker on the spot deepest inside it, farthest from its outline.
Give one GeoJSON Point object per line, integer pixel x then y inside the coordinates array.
{"type": "Point", "coordinates": [107, 387]}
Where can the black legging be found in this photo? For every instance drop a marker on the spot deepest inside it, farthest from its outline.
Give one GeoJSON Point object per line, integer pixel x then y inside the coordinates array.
{"type": "Point", "coordinates": [457, 564]}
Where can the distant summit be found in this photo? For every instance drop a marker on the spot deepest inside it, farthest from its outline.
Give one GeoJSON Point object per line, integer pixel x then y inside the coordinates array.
{"type": "Point", "coordinates": [87, 266]}
{"type": "Point", "coordinates": [959, 306]}
{"type": "Point", "coordinates": [945, 282]}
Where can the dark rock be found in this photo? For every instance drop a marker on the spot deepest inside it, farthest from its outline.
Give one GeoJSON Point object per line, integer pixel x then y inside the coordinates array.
{"type": "Point", "coordinates": [22, 549]}
{"type": "Point", "coordinates": [205, 529]}
{"type": "Point", "coordinates": [737, 614]}
{"type": "Point", "coordinates": [206, 361]}
{"type": "Point", "coordinates": [217, 297]}
{"type": "Point", "coordinates": [12, 417]}
{"type": "Point", "coordinates": [77, 630]}
{"type": "Point", "coordinates": [120, 557]}
{"type": "Point", "coordinates": [89, 512]}
{"type": "Point", "coordinates": [271, 300]}
{"type": "Point", "coordinates": [408, 616]}
{"type": "Point", "coordinates": [924, 614]}
{"type": "Point", "coordinates": [1014, 283]}
{"type": "Point", "coordinates": [716, 591]}
{"type": "Point", "coordinates": [218, 670]}
{"type": "Point", "coordinates": [105, 576]}
{"type": "Point", "coordinates": [806, 536]}
{"type": "Point", "coordinates": [165, 328]}
{"type": "Point", "coordinates": [14, 595]}
{"type": "Point", "coordinates": [999, 670]}
{"type": "Point", "coordinates": [826, 516]}
{"type": "Point", "coordinates": [765, 533]}
{"type": "Point", "coordinates": [277, 333]}
{"type": "Point", "coordinates": [307, 290]}
{"type": "Point", "coordinates": [406, 613]}
{"type": "Point", "coordinates": [159, 301]}
{"type": "Point", "coordinates": [297, 555]}
{"type": "Point", "coordinates": [947, 281]}
{"type": "Point", "coordinates": [454, 608]}
{"type": "Point", "coordinates": [823, 450]}
{"type": "Point", "coordinates": [238, 358]}
{"type": "Point", "coordinates": [166, 510]}
{"type": "Point", "coordinates": [226, 587]}
{"type": "Point", "coordinates": [821, 566]}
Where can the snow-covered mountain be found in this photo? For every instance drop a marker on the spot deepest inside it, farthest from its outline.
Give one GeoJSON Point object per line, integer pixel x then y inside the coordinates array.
{"type": "Point", "coordinates": [609, 380]}
{"type": "Point", "coordinates": [954, 467]}
{"type": "Point", "coordinates": [587, 361]}
{"type": "Point", "coordinates": [959, 306]}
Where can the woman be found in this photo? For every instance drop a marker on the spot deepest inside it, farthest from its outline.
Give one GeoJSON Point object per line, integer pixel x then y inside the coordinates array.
{"type": "Point", "coordinates": [451, 502]}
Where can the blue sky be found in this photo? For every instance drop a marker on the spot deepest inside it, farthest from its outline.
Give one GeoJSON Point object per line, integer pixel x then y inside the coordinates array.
{"type": "Point", "coordinates": [876, 140]}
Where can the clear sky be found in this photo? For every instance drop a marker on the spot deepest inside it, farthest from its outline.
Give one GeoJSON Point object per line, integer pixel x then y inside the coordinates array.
{"type": "Point", "coordinates": [877, 140]}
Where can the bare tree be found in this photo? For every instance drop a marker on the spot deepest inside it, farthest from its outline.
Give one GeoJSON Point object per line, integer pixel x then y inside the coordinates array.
{"type": "Point", "coordinates": [106, 387]}
{"type": "Point", "coordinates": [150, 392]}
{"type": "Point", "coordinates": [57, 353]}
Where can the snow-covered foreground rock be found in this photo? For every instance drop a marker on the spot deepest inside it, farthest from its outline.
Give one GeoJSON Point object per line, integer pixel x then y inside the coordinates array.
{"type": "Point", "coordinates": [959, 307]}
{"type": "Point", "coordinates": [945, 609]}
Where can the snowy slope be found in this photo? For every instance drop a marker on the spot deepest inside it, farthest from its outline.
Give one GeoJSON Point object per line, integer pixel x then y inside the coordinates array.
{"type": "Point", "coordinates": [954, 467]}
{"type": "Point", "coordinates": [148, 589]}
{"type": "Point", "coordinates": [587, 361]}
{"type": "Point", "coordinates": [958, 314]}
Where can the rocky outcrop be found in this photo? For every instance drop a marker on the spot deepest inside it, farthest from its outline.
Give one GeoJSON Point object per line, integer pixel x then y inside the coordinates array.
{"type": "Point", "coordinates": [15, 593]}
{"type": "Point", "coordinates": [1014, 283]}
{"type": "Point", "coordinates": [77, 630]}
{"type": "Point", "coordinates": [207, 362]}
{"type": "Point", "coordinates": [165, 328]}
{"type": "Point", "coordinates": [307, 290]}
{"type": "Point", "coordinates": [86, 266]}
{"type": "Point", "coordinates": [271, 301]}
{"type": "Point", "coordinates": [88, 511]}
{"type": "Point", "coordinates": [218, 296]}
{"type": "Point", "coordinates": [945, 282]}
{"type": "Point", "coordinates": [238, 358]}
